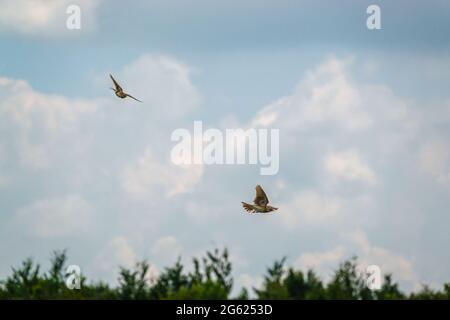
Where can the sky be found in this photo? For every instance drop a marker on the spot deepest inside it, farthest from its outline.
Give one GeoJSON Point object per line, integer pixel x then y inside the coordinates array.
{"type": "Point", "coordinates": [363, 116]}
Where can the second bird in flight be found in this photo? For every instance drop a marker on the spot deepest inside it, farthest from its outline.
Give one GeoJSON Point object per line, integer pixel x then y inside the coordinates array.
{"type": "Point", "coordinates": [119, 91]}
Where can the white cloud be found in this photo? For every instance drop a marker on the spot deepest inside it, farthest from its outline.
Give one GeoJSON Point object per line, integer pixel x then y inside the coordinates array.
{"type": "Point", "coordinates": [324, 209]}
{"type": "Point", "coordinates": [118, 252]}
{"type": "Point", "coordinates": [325, 96]}
{"type": "Point", "coordinates": [56, 217]}
{"type": "Point", "coordinates": [123, 252]}
{"type": "Point", "coordinates": [163, 83]}
{"type": "Point", "coordinates": [388, 261]}
{"type": "Point", "coordinates": [150, 178]}
{"type": "Point", "coordinates": [310, 208]}
{"type": "Point", "coordinates": [203, 212]}
{"type": "Point", "coordinates": [330, 109]}
{"type": "Point", "coordinates": [167, 249]}
{"type": "Point", "coordinates": [356, 243]}
{"type": "Point", "coordinates": [317, 260]}
{"type": "Point", "coordinates": [348, 165]}
{"type": "Point", "coordinates": [4, 181]}
{"type": "Point", "coordinates": [249, 282]}
{"type": "Point", "coordinates": [35, 122]}
{"type": "Point", "coordinates": [43, 17]}
{"type": "Point", "coordinates": [434, 159]}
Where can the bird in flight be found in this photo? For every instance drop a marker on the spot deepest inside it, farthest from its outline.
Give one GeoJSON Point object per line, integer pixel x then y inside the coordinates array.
{"type": "Point", "coordinates": [260, 203]}
{"type": "Point", "coordinates": [119, 91]}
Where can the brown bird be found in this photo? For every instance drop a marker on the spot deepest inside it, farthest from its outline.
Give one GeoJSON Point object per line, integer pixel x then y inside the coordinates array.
{"type": "Point", "coordinates": [119, 91]}
{"type": "Point", "coordinates": [260, 203]}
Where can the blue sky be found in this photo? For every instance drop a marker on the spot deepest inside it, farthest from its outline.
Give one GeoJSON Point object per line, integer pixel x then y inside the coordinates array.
{"type": "Point", "coordinates": [363, 118]}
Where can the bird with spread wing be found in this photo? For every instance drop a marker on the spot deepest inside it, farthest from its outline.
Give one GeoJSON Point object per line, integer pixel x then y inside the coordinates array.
{"type": "Point", "coordinates": [260, 203]}
{"type": "Point", "coordinates": [119, 91]}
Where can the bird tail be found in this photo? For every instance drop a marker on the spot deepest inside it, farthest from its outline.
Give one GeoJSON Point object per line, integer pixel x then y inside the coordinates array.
{"type": "Point", "coordinates": [249, 208]}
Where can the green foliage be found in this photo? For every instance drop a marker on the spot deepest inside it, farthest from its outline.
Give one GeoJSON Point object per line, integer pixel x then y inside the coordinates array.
{"type": "Point", "coordinates": [273, 286]}
{"type": "Point", "coordinates": [243, 295]}
{"type": "Point", "coordinates": [426, 293]}
{"type": "Point", "coordinates": [348, 283]}
{"type": "Point", "coordinates": [307, 287]}
{"type": "Point", "coordinates": [389, 290]}
{"type": "Point", "coordinates": [133, 285]}
{"type": "Point", "coordinates": [27, 282]}
{"type": "Point", "coordinates": [210, 278]}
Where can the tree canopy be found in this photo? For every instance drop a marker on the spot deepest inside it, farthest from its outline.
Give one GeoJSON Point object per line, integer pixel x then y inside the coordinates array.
{"type": "Point", "coordinates": [210, 278]}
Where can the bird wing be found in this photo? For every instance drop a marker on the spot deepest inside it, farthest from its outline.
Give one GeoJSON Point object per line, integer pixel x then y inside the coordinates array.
{"type": "Point", "coordinates": [128, 95]}
{"type": "Point", "coordinates": [118, 87]}
{"type": "Point", "coordinates": [261, 198]}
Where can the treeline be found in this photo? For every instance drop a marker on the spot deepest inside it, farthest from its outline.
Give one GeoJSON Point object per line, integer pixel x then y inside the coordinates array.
{"type": "Point", "coordinates": [210, 278]}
